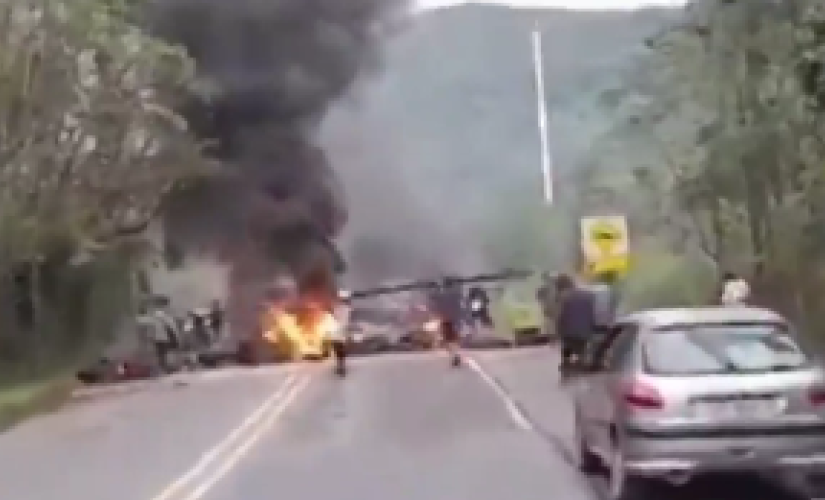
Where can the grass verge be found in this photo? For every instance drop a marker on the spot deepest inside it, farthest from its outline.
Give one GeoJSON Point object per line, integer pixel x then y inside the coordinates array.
{"type": "Point", "coordinates": [19, 402]}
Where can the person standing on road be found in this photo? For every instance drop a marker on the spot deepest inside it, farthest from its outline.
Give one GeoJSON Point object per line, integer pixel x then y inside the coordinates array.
{"type": "Point", "coordinates": [216, 318]}
{"type": "Point", "coordinates": [449, 304]}
{"type": "Point", "coordinates": [575, 319]}
{"type": "Point", "coordinates": [336, 332]}
{"type": "Point", "coordinates": [197, 327]}
{"type": "Point", "coordinates": [161, 331]}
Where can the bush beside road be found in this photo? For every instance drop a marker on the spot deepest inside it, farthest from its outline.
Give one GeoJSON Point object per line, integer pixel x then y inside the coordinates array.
{"type": "Point", "coordinates": [20, 402]}
{"type": "Point", "coordinates": [660, 279]}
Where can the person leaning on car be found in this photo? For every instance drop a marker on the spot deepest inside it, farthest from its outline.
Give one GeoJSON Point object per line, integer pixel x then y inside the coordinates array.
{"type": "Point", "coordinates": [575, 318]}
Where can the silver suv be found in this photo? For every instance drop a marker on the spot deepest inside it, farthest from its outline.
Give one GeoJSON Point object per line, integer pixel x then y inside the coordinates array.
{"type": "Point", "coordinates": [672, 393]}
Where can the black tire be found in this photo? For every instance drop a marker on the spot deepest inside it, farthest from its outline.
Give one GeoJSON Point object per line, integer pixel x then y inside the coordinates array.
{"type": "Point", "coordinates": [589, 462]}
{"type": "Point", "coordinates": [90, 377]}
{"type": "Point", "coordinates": [636, 488]}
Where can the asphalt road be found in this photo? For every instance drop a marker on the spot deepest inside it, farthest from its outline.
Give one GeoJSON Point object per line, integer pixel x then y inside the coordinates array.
{"type": "Point", "coordinates": [131, 444]}
{"type": "Point", "coordinates": [405, 427]}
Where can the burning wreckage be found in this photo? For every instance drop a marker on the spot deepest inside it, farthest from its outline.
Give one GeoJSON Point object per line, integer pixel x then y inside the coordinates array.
{"type": "Point", "coordinates": [268, 72]}
{"type": "Point", "coordinates": [293, 322]}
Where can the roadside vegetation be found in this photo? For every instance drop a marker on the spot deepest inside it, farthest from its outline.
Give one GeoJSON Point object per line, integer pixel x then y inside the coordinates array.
{"type": "Point", "coordinates": [89, 148]}
{"type": "Point", "coordinates": [717, 157]}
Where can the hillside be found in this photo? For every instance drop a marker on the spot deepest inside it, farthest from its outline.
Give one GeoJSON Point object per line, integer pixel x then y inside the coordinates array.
{"type": "Point", "coordinates": [459, 86]}
{"type": "Point", "coordinates": [453, 110]}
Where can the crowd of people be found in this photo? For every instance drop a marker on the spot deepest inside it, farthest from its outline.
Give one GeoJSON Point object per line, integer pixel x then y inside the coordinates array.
{"type": "Point", "coordinates": [458, 313]}
{"type": "Point", "coordinates": [172, 337]}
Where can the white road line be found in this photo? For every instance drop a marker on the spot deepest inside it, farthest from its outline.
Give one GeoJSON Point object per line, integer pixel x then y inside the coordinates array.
{"type": "Point", "coordinates": [519, 418]}
{"type": "Point", "coordinates": [225, 445]}
{"type": "Point", "coordinates": [255, 435]}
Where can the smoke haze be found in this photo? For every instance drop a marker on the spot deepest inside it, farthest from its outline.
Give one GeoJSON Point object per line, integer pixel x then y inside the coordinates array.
{"type": "Point", "coordinates": [399, 228]}
{"type": "Point", "coordinates": [269, 70]}
{"type": "Point", "coordinates": [270, 73]}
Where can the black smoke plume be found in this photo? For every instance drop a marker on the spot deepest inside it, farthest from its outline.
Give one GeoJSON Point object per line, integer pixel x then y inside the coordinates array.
{"type": "Point", "coordinates": [269, 70]}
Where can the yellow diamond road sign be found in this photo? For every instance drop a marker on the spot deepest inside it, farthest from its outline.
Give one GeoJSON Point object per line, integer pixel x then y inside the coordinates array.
{"type": "Point", "coordinates": [605, 236]}
{"type": "Point", "coordinates": [604, 243]}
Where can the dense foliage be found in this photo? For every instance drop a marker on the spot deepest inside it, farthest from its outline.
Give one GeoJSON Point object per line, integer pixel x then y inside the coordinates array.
{"type": "Point", "coordinates": [727, 113]}
{"type": "Point", "coordinates": [455, 112]}
{"type": "Point", "coordinates": [88, 150]}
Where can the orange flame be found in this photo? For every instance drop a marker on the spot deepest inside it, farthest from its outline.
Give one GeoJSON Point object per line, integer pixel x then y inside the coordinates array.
{"type": "Point", "coordinates": [300, 331]}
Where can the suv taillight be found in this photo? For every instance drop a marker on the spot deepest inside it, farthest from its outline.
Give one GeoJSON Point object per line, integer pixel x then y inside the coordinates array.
{"type": "Point", "coordinates": [643, 396]}
{"type": "Point", "coordinates": [816, 396]}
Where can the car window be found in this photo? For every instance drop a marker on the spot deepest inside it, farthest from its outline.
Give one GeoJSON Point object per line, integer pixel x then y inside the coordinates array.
{"type": "Point", "coordinates": [602, 348]}
{"type": "Point", "coordinates": [722, 349]}
{"type": "Point", "coordinates": [622, 346]}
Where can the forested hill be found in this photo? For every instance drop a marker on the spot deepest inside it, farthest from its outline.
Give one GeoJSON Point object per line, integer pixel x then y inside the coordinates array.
{"type": "Point", "coordinates": [459, 86]}
{"type": "Point", "coordinates": [454, 111]}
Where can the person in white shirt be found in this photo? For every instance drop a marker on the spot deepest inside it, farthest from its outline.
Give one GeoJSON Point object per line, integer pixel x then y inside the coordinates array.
{"type": "Point", "coordinates": [735, 290]}
{"type": "Point", "coordinates": [342, 310]}
{"type": "Point", "coordinates": [160, 329]}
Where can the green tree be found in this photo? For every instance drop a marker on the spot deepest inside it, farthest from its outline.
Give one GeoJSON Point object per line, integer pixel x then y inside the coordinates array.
{"type": "Point", "coordinates": [744, 80]}
{"type": "Point", "coordinates": [89, 147]}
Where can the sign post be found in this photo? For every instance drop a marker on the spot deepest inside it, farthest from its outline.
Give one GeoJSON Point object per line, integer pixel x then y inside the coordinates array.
{"type": "Point", "coordinates": [541, 110]}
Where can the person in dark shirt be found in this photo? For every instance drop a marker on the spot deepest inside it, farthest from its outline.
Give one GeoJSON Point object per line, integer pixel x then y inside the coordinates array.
{"type": "Point", "coordinates": [575, 319]}
{"type": "Point", "coordinates": [216, 317]}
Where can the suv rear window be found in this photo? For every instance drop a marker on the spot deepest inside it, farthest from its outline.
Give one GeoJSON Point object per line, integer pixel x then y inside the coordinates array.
{"type": "Point", "coordinates": [704, 349]}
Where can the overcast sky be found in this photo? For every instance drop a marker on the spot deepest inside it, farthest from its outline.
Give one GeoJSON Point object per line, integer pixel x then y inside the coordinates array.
{"type": "Point", "coordinates": [570, 4]}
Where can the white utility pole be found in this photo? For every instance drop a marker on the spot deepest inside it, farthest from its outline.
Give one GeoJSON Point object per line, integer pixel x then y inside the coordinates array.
{"type": "Point", "coordinates": [541, 106]}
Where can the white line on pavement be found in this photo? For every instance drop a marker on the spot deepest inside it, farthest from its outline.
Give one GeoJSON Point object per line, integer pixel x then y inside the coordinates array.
{"type": "Point", "coordinates": [252, 438]}
{"type": "Point", "coordinates": [225, 445]}
{"type": "Point", "coordinates": [513, 409]}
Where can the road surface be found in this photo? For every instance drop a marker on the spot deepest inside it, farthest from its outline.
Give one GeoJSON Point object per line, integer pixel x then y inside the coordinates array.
{"type": "Point", "coordinates": [401, 427]}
